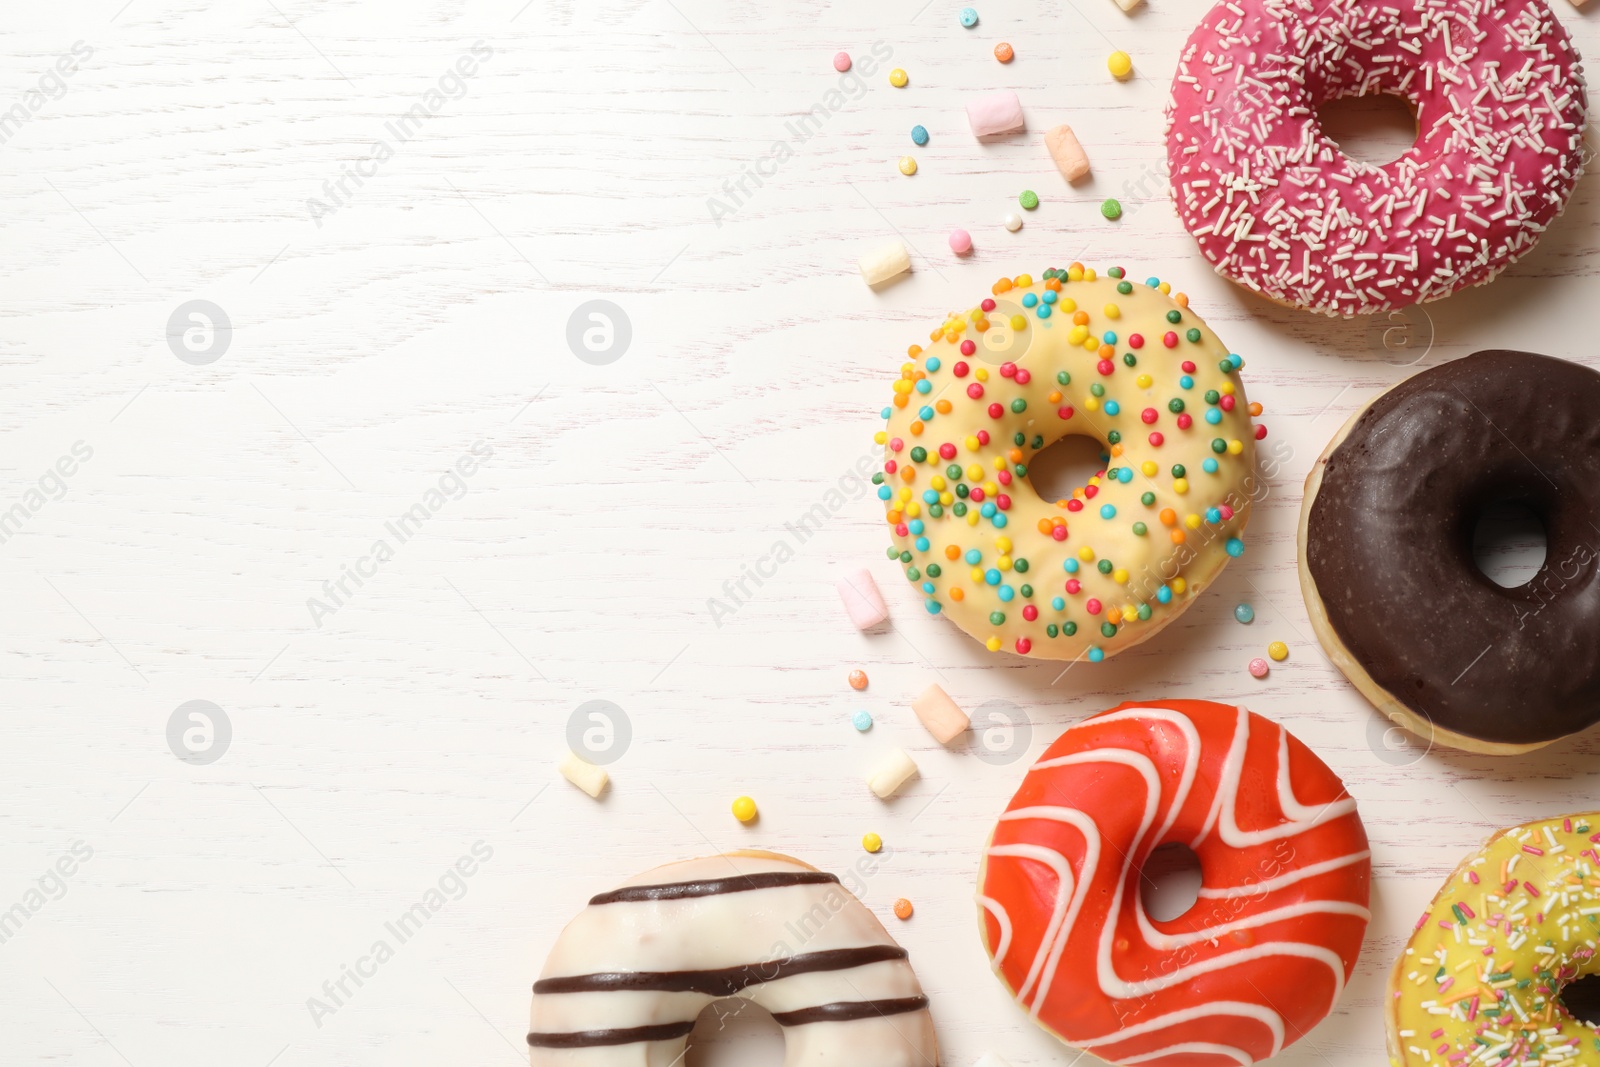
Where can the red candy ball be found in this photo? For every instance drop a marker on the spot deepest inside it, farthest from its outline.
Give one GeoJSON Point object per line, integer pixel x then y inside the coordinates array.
{"type": "Point", "coordinates": [995, 411]}
{"type": "Point", "coordinates": [975, 390]}
{"type": "Point", "coordinates": [987, 305]}
{"type": "Point", "coordinates": [959, 370]}
{"type": "Point", "coordinates": [967, 348]}
{"type": "Point", "coordinates": [1030, 613]}
{"type": "Point", "coordinates": [947, 451]}
{"type": "Point", "coordinates": [1136, 340]}
{"type": "Point", "coordinates": [1170, 340]}
{"type": "Point", "coordinates": [1149, 415]}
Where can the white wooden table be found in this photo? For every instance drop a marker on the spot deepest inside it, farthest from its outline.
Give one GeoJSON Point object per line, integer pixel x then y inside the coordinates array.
{"type": "Point", "coordinates": [398, 246]}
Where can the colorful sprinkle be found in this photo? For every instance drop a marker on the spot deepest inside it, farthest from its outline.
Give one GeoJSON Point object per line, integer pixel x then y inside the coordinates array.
{"type": "Point", "coordinates": [1029, 199]}
{"type": "Point", "coordinates": [969, 19]}
{"type": "Point", "coordinates": [1111, 209]}
{"type": "Point", "coordinates": [908, 165]}
{"type": "Point", "coordinates": [1013, 221]}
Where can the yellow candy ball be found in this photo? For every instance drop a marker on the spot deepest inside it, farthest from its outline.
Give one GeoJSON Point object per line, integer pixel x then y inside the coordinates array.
{"type": "Point", "coordinates": [1120, 64]}
{"type": "Point", "coordinates": [897, 78]}
{"type": "Point", "coordinates": [744, 809]}
{"type": "Point", "coordinates": [1019, 323]}
{"type": "Point", "coordinates": [872, 842]}
{"type": "Point", "coordinates": [909, 166]}
{"type": "Point", "coordinates": [1278, 651]}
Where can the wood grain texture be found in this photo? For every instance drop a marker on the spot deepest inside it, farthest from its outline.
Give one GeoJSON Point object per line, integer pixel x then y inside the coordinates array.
{"type": "Point", "coordinates": [373, 746]}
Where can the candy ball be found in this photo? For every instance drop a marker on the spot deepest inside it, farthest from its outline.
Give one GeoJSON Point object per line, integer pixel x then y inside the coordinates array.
{"type": "Point", "coordinates": [908, 165]}
{"type": "Point", "coordinates": [1244, 613]}
{"type": "Point", "coordinates": [858, 679]}
{"type": "Point", "coordinates": [841, 62]}
{"type": "Point", "coordinates": [1029, 199]}
{"type": "Point", "coordinates": [1003, 52]}
{"type": "Point", "coordinates": [1119, 64]}
{"type": "Point", "coordinates": [897, 78]}
{"type": "Point", "coordinates": [1278, 651]}
{"type": "Point", "coordinates": [1013, 222]}
{"type": "Point", "coordinates": [872, 842]}
{"type": "Point", "coordinates": [902, 908]}
{"type": "Point", "coordinates": [960, 242]}
{"type": "Point", "coordinates": [744, 809]}
{"type": "Point", "coordinates": [969, 17]}
{"type": "Point", "coordinates": [861, 720]}
{"type": "Point", "coordinates": [919, 135]}
{"type": "Point", "coordinates": [1258, 668]}
{"type": "Point", "coordinates": [1111, 209]}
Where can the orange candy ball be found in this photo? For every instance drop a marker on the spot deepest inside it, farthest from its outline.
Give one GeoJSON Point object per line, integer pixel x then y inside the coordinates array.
{"type": "Point", "coordinates": [902, 908]}
{"type": "Point", "coordinates": [858, 680]}
{"type": "Point", "coordinates": [1004, 52]}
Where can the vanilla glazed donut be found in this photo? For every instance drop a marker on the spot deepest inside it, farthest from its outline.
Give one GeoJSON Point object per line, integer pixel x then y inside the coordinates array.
{"type": "Point", "coordinates": [1481, 980]}
{"type": "Point", "coordinates": [1071, 353]}
{"type": "Point", "coordinates": [627, 978]}
{"type": "Point", "coordinates": [1386, 563]}
{"type": "Point", "coordinates": [1278, 208]}
{"type": "Point", "coordinates": [1265, 951]}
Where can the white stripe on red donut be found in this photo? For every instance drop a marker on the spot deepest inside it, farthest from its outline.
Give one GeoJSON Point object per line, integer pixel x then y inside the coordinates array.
{"type": "Point", "coordinates": [1072, 887]}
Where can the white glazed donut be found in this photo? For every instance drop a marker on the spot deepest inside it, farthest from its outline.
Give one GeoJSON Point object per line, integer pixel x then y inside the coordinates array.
{"type": "Point", "coordinates": [630, 974]}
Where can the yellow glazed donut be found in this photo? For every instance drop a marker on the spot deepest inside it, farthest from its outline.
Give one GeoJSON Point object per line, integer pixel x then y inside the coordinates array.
{"type": "Point", "coordinates": [1480, 979]}
{"type": "Point", "coordinates": [1125, 363]}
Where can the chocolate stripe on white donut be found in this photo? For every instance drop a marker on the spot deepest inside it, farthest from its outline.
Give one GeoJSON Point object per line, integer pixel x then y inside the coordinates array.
{"type": "Point", "coordinates": [846, 1010]}
{"type": "Point", "coordinates": [624, 1036]}
{"type": "Point", "coordinates": [712, 887]}
{"type": "Point", "coordinates": [725, 981]}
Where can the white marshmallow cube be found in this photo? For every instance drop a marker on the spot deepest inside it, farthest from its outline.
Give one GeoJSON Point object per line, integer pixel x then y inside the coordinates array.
{"type": "Point", "coordinates": [893, 771]}
{"type": "Point", "coordinates": [583, 774]}
{"type": "Point", "coordinates": [885, 262]}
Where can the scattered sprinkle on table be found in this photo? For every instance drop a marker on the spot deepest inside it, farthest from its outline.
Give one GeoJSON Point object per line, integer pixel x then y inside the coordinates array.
{"type": "Point", "coordinates": [960, 242]}
{"type": "Point", "coordinates": [872, 842]}
{"type": "Point", "coordinates": [1004, 53]}
{"type": "Point", "coordinates": [908, 165]}
{"type": "Point", "coordinates": [897, 78]}
{"type": "Point", "coordinates": [744, 809]}
{"type": "Point", "coordinates": [1029, 199]}
{"type": "Point", "coordinates": [841, 62]}
{"type": "Point", "coordinates": [1111, 209]}
{"type": "Point", "coordinates": [862, 720]}
{"type": "Point", "coordinates": [969, 17]}
{"type": "Point", "coordinates": [1013, 221]}
{"type": "Point", "coordinates": [1245, 613]}
{"type": "Point", "coordinates": [902, 908]}
{"type": "Point", "coordinates": [919, 135]}
{"type": "Point", "coordinates": [1258, 668]}
{"type": "Point", "coordinates": [1278, 651]}
{"type": "Point", "coordinates": [1120, 64]}
{"type": "Point", "coordinates": [858, 680]}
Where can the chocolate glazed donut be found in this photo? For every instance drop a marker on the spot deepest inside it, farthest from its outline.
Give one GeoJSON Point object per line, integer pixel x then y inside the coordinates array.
{"type": "Point", "coordinates": [1386, 560]}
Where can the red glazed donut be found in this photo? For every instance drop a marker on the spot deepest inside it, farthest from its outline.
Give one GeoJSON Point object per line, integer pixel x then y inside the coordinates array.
{"type": "Point", "coordinates": [1278, 208]}
{"type": "Point", "coordinates": [1259, 959]}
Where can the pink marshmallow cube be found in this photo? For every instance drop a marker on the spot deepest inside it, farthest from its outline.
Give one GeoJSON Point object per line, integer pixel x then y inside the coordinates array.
{"type": "Point", "coordinates": [862, 601]}
{"type": "Point", "coordinates": [995, 113]}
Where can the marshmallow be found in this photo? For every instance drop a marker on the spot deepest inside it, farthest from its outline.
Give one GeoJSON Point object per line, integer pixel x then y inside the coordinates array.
{"type": "Point", "coordinates": [892, 772]}
{"type": "Point", "coordinates": [862, 601]}
{"type": "Point", "coordinates": [942, 717]}
{"type": "Point", "coordinates": [995, 113]}
{"type": "Point", "coordinates": [885, 262]}
{"type": "Point", "coordinates": [991, 1060]}
{"type": "Point", "coordinates": [1128, 5]}
{"type": "Point", "coordinates": [583, 774]}
{"type": "Point", "coordinates": [1067, 152]}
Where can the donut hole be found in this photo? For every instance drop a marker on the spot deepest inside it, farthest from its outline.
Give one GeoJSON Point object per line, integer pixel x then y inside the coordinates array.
{"type": "Point", "coordinates": [1509, 543]}
{"type": "Point", "coordinates": [1066, 465]}
{"type": "Point", "coordinates": [734, 1032]}
{"type": "Point", "coordinates": [1581, 997]}
{"type": "Point", "coordinates": [1169, 884]}
{"type": "Point", "coordinates": [1377, 128]}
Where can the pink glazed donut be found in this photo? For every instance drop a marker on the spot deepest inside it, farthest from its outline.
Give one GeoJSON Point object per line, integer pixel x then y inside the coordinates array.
{"type": "Point", "coordinates": [1278, 208]}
